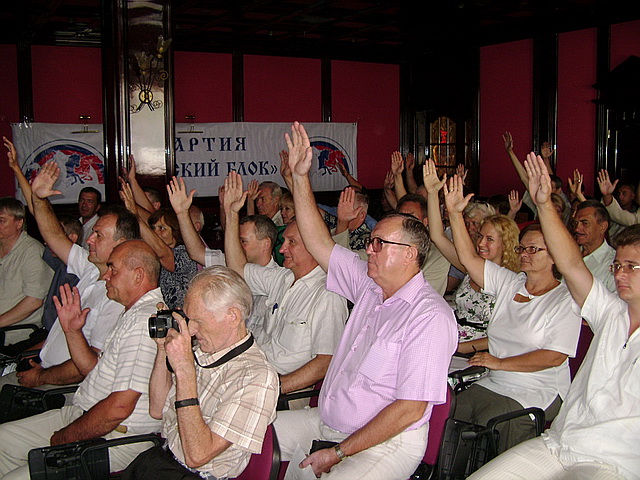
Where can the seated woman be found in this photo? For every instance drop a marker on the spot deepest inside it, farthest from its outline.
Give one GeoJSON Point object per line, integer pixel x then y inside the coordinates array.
{"type": "Point", "coordinates": [161, 231]}
{"type": "Point", "coordinates": [497, 238]}
{"type": "Point", "coordinates": [532, 332]}
{"type": "Point", "coordinates": [287, 209]}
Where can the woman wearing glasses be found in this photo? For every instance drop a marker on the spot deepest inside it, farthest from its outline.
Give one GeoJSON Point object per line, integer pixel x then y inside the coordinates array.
{"type": "Point", "coordinates": [497, 236]}
{"type": "Point", "coordinates": [531, 334]}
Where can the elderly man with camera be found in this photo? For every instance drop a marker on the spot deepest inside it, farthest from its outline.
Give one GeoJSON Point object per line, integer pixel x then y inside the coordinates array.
{"type": "Point", "coordinates": [216, 400]}
{"type": "Point", "coordinates": [113, 399]}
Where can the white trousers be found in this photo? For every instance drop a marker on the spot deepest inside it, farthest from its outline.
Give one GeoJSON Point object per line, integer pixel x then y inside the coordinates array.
{"type": "Point", "coordinates": [20, 436]}
{"type": "Point", "coordinates": [532, 460]}
{"type": "Point", "coordinates": [397, 458]}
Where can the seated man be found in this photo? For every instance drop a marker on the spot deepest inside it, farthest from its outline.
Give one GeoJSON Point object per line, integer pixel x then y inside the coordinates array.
{"type": "Point", "coordinates": [391, 365]}
{"type": "Point", "coordinates": [24, 277]}
{"type": "Point", "coordinates": [596, 431]}
{"type": "Point", "coordinates": [216, 407]}
{"type": "Point", "coordinates": [590, 226]}
{"type": "Point", "coordinates": [303, 321]}
{"type": "Point", "coordinates": [114, 226]}
{"type": "Point", "coordinates": [89, 201]}
{"type": "Point", "coordinates": [113, 399]}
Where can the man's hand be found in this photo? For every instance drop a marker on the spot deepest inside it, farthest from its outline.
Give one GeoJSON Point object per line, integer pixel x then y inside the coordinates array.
{"type": "Point", "coordinates": [31, 378]}
{"type": "Point", "coordinates": [177, 345]}
{"type": "Point", "coordinates": [397, 163]}
{"type": "Point", "coordinates": [606, 187]}
{"type": "Point", "coordinates": [546, 151]}
{"type": "Point", "coordinates": [430, 177]}
{"type": "Point", "coordinates": [508, 141]}
{"type": "Point", "coordinates": [234, 197]}
{"type": "Point", "coordinates": [515, 203]}
{"type": "Point", "coordinates": [539, 180]}
{"type": "Point", "coordinates": [126, 195]}
{"type": "Point", "coordinates": [485, 359]}
{"type": "Point", "coordinates": [178, 197]}
{"type": "Point", "coordinates": [42, 186]}
{"type": "Point", "coordinates": [409, 162]}
{"type": "Point", "coordinates": [12, 155]}
{"type": "Point", "coordinates": [575, 184]}
{"type": "Point", "coordinates": [454, 195]}
{"type": "Point", "coordinates": [70, 312]}
{"type": "Point", "coordinates": [321, 461]}
{"type": "Point", "coordinates": [252, 190]}
{"type": "Point", "coordinates": [389, 181]}
{"type": "Point", "coordinates": [300, 152]}
{"type": "Point", "coordinates": [346, 208]}
{"type": "Point", "coordinates": [462, 172]}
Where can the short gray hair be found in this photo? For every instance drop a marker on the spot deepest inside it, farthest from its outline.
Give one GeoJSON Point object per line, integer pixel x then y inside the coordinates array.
{"type": "Point", "coordinates": [221, 288]}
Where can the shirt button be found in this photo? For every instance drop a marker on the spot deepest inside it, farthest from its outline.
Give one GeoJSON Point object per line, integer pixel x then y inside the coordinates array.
{"type": "Point", "coordinates": [355, 348]}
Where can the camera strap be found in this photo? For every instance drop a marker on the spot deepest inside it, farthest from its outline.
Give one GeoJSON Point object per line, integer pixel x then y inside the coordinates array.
{"type": "Point", "coordinates": [233, 353]}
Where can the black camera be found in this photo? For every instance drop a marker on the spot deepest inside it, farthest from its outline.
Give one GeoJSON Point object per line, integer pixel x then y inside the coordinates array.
{"type": "Point", "coordinates": [160, 324]}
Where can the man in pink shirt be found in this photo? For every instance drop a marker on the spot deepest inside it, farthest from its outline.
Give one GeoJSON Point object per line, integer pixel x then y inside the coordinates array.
{"type": "Point", "coordinates": [391, 365]}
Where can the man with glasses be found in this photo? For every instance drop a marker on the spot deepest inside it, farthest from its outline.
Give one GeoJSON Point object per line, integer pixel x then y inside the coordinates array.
{"type": "Point", "coordinates": [595, 434]}
{"type": "Point", "coordinates": [391, 365]}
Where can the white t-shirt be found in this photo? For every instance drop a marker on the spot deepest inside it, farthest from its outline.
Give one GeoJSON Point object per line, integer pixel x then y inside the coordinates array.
{"type": "Point", "coordinates": [302, 319]}
{"type": "Point", "coordinates": [101, 319]}
{"type": "Point", "coordinates": [600, 418]}
{"type": "Point", "coordinates": [545, 322]}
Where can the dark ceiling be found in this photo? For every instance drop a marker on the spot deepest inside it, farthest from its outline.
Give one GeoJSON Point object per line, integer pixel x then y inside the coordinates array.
{"type": "Point", "coordinates": [385, 31]}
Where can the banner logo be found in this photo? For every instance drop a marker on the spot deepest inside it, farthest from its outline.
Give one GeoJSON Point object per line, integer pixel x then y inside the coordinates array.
{"type": "Point", "coordinates": [330, 154]}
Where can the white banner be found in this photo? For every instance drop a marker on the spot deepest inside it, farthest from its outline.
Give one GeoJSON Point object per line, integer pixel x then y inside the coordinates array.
{"type": "Point", "coordinates": [207, 152]}
{"type": "Point", "coordinates": [78, 151]}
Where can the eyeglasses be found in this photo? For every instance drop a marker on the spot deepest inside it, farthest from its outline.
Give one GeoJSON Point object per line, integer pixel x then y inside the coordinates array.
{"type": "Point", "coordinates": [616, 267]}
{"type": "Point", "coordinates": [531, 250]}
{"type": "Point", "coordinates": [377, 243]}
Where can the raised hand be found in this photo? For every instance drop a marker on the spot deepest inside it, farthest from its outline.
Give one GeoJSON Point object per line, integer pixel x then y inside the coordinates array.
{"type": "Point", "coordinates": [389, 181]}
{"type": "Point", "coordinates": [397, 163]}
{"type": "Point", "coordinates": [508, 141]}
{"type": "Point", "coordinates": [539, 180]}
{"type": "Point", "coordinates": [462, 172]}
{"type": "Point", "coordinates": [70, 312]}
{"type": "Point", "coordinates": [546, 151]}
{"type": "Point", "coordinates": [409, 162]}
{"type": "Point", "coordinates": [300, 152]}
{"type": "Point", "coordinates": [126, 195]}
{"type": "Point", "coordinates": [12, 155]}
{"type": "Point", "coordinates": [430, 177]}
{"type": "Point", "coordinates": [575, 184]}
{"type": "Point", "coordinates": [178, 197]}
{"type": "Point", "coordinates": [515, 203]}
{"type": "Point", "coordinates": [346, 205]}
{"type": "Point", "coordinates": [604, 182]}
{"type": "Point", "coordinates": [42, 186]}
{"type": "Point", "coordinates": [234, 197]}
{"type": "Point", "coordinates": [252, 190]}
{"type": "Point", "coordinates": [454, 197]}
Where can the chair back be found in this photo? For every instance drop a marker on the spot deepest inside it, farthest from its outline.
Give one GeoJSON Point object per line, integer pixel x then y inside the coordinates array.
{"type": "Point", "coordinates": [584, 341]}
{"type": "Point", "coordinates": [439, 416]}
{"type": "Point", "coordinates": [266, 464]}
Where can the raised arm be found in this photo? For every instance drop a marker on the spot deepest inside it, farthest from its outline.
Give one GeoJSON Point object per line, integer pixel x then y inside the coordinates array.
{"type": "Point", "coordinates": [466, 250]}
{"type": "Point", "coordinates": [138, 194]}
{"type": "Point", "coordinates": [389, 190]}
{"type": "Point", "coordinates": [181, 202]}
{"type": "Point", "coordinates": [48, 223]}
{"type": "Point", "coordinates": [161, 249]}
{"type": "Point", "coordinates": [515, 204]}
{"type": "Point", "coordinates": [562, 247]}
{"type": "Point", "coordinates": [520, 170]}
{"type": "Point", "coordinates": [285, 171]}
{"type": "Point", "coordinates": [436, 228]}
{"type": "Point", "coordinates": [14, 165]}
{"type": "Point", "coordinates": [313, 230]}
{"type": "Point", "coordinates": [397, 167]}
{"type": "Point", "coordinates": [409, 176]}
{"type": "Point", "coordinates": [233, 201]}
{"type": "Point", "coordinates": [252, 195]}
{"type": "Point", "coordinates": [348, 177]}
{"type": "Point", "coordinates": [575, 185]}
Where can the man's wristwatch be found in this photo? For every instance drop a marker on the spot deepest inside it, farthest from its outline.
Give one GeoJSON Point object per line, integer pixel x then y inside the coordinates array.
{"type": "Point", "coordinates": [341, 455]}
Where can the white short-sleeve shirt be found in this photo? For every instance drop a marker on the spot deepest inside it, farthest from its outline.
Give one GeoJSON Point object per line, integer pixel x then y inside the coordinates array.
{"type": "Point", "coordinates": [600, 418]}
{"type": "Point", "coordinates": [101, 319]}
{"type": "Point", "coordinates": [545, 322]}
{"type": "Point", "coordinates": [302, 319]}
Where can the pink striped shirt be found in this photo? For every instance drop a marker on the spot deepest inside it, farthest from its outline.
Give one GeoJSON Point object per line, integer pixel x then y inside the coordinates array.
{"type": "Point", "coordinates": [398, 349]}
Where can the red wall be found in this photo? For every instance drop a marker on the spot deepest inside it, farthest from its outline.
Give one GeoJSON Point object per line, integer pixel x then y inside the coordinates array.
{"type": "Point", "coordinates": [369, 94]}
{"type": "Point", "coordinates": [505, 105]}
{"type": "Point", "coordinates": [9, 111]}
{"type": "Point", "coordinates": [281, 89]}
{"type": "Point", "coordinates": [625, 41]}
{"type": "Point", "coordinates": [576, 142]}
{"type": "Point", "coordinates": [202, 87]}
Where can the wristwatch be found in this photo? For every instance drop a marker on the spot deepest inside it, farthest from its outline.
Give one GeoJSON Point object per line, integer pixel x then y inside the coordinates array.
{"type": "Point", "coordinates": [341, 455]}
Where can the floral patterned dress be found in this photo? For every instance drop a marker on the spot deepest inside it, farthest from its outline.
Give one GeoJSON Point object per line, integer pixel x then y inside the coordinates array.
{"type": "Point", "coordinates": [473, 311]}
{"type": "Point", "coordinates": [173, 285]}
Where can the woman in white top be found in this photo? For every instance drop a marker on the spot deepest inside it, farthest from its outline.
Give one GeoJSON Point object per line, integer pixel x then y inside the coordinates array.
{"type": "Point", "coordinates": [530, 336]}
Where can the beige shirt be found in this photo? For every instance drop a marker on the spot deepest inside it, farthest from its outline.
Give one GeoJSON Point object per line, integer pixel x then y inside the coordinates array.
{"type": "Point", "coordinates": [237, 401]}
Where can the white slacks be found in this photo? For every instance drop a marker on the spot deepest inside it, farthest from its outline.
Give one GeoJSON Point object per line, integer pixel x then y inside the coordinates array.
{"type": "Point", "coordinates": [397, 458]}
{"type": "Point", "coordinates": [532, 460]}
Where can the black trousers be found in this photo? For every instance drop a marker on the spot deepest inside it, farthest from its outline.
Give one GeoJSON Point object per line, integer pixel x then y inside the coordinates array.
{"type": "Point", "coordinates": [157, 464]}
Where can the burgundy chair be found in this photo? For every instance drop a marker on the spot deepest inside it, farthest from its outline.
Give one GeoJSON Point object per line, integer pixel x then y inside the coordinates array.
{"type": "Point", "coordinates": [266, 464]}
{"type": "Point", "coordinates": [584, 341]}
